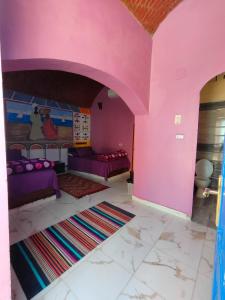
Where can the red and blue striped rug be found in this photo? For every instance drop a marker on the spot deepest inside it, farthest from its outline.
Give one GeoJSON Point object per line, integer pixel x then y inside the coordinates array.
{"type": "Point", "coordinates": [44, 256]}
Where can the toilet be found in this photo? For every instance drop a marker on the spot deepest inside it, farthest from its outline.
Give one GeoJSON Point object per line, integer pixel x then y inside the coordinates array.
{"type": "Point", "coordinates": [203, 170]}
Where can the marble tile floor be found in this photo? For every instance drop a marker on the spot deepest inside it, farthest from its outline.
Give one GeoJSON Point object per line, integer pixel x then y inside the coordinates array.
{"type": "Point", "coordinates": [155, 256]}
{"type": "Point", "coordinates": [204, 211]}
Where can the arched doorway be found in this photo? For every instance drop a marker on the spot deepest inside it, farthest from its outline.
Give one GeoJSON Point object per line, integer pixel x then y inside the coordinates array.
{"type": "Point", "coordinates": [37, 145]}
{"type": "Point", "coordinates": [55, 92]}
{"type": "Point", "coordinates": [211, 130]}
{"type": "Point", "coordinates": [125, 92]}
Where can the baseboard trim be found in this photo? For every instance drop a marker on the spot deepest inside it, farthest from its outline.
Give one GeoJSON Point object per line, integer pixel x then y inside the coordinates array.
{"type": "Point", "coordinates": [87, 175]}
{"type": "Point", "coordinates": [162, 208]}
{"type": "Point", "coordinates": [118, 177]}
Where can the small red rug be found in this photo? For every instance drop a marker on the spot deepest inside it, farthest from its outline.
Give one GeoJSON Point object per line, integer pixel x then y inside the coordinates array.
{"type": "Point", "coordinates": [79, 186]}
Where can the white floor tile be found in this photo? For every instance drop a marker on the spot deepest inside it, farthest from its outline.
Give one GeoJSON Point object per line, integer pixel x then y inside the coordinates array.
{"type": "Point", "coordinates": [60, 291]}
{"type": "Point", "coordinates": [203, 288]}
{"type": "Point", "coordinates": [183, 240]}
{"type": "Point", "coordinates": [34, 220]}
{"type": "Point", "coordinates": [207, 262]}
{"type": "Point", "coordinates": [91, 200]}
{"type": "Point", "coordinates": [138, 290]}
{"type": "Point", "coordinates": [166, 275]}
{"type": "Point", "coordinates": [188, 228]}
{"type": "Point", "coordinates": [163, 252]}
{"type": "Point", "coordinates": [63, 207]}
{"type": "Point", "coordinates": [210, 238]}
{"type": "Point", "coordinates": [16, 233]}
{"type": "Point", "coordinates": [127, 248]}
{"type": "Point", "coordinates": [149, 227]}
{"type": "Point", "coordinates": [98, 278]}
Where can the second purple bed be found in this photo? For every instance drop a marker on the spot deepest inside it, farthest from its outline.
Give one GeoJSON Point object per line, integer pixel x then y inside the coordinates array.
{"type": "Point", "coordinates": [88, 163]}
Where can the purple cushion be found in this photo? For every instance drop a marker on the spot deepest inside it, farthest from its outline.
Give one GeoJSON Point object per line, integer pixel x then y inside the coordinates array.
{"type": "Point", "coordinates": [14, 154]}
{"type": "Point", "coordinates": [28, 165]}
{"type": "Point", "coordinates": [85, 151]}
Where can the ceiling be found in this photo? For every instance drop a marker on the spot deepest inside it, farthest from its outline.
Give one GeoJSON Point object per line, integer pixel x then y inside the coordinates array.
{"type": "Point", "coordinates": [57, 85]}
{"type": "Point", "coordinates": [150, 13]}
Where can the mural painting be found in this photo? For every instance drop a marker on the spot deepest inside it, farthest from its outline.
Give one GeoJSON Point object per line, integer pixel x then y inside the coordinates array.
{"type": "Point", "coordinates": [33, 119]}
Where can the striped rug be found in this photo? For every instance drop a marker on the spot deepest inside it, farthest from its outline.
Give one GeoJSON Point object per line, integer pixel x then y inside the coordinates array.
{"type": "Point", "coordinates": [43, 257]}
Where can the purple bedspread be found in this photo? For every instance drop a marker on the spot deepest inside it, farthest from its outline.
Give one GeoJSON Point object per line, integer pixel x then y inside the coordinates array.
{"type": "Point", "coordinates": [23, 184]}
{"type": "Point", "coordinates": [28, 165]}
{"type": "Point", "coordinates": [100, 168]}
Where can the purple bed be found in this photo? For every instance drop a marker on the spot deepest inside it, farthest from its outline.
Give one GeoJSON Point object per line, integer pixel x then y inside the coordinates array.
{"type": "Point", "coordinates": [84, 160]}
{"type": "Point", "coordinates": [27, 187]}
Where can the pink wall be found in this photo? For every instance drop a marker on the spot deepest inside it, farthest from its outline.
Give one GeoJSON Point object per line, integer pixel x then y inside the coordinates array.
{"type": "Point", "coordinates": [111, 127]}
{"type": "Point", "coordinates": [4, 227]}
{"type": "Point", "coordinates": [188, 50]}
{"type": "Point", "coordinates": [98, 39]}
{"type": "Point", "coordinates": [102, 41]}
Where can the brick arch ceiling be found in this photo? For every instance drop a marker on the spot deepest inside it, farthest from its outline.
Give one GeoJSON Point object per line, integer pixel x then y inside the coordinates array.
{"type": "Point", "coordinates": [150, 13]}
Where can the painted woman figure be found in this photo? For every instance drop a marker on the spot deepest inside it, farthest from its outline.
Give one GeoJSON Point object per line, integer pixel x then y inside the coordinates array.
{"type": "Point", "coordinates": [36, 127]}
{"type": "Point", "coordinates": [49, 129]}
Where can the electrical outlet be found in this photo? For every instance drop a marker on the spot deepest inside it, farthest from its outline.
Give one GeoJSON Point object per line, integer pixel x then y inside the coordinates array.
{"type": "Point", "coordinates": [177, 119]}
{"type": "Point", "coordinates": [179, 136]}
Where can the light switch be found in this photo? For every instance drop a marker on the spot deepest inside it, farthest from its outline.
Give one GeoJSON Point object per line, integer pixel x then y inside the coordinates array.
{"type": "Point", "coordinates": [177, 119]}
{"type": "Point", "coordinates": [179, 136]}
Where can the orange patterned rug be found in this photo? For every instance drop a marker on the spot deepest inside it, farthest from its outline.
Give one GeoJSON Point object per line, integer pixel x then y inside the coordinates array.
{"type": "Point", "coordinates": [79, 186]}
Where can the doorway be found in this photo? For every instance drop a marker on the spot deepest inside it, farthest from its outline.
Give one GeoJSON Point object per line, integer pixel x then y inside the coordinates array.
{"type": "Point", "coordinates": [211, 130]}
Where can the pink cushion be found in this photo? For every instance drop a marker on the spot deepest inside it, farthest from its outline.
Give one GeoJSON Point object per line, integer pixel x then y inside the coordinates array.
{"type": "Point", "coordinates": [111, 156]}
